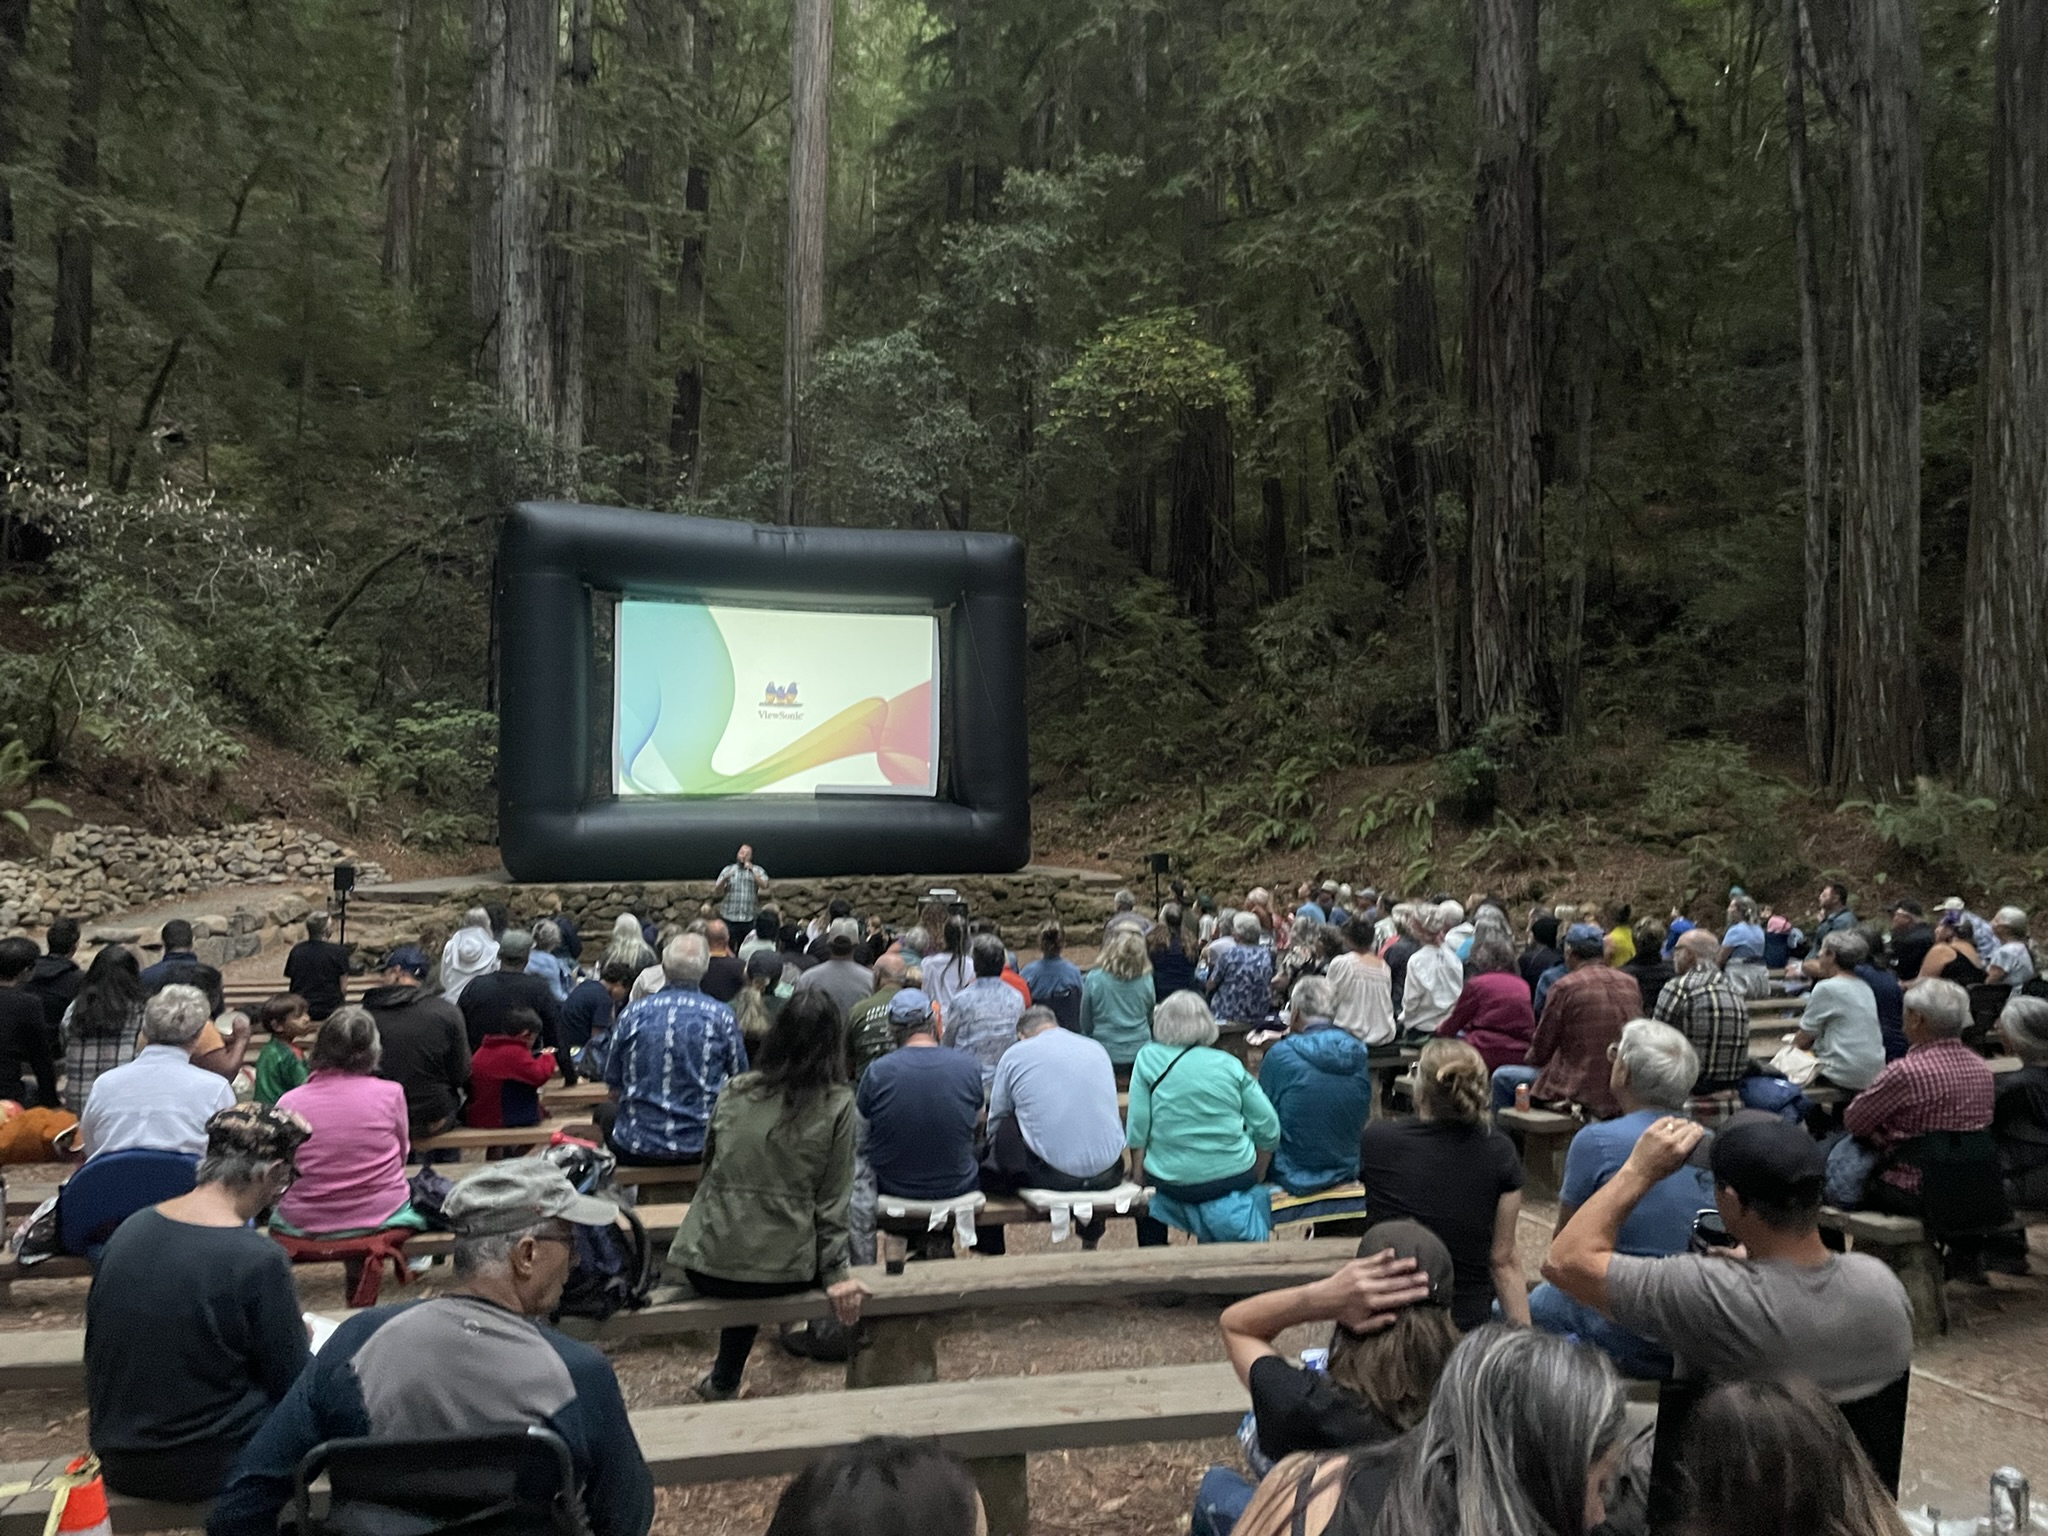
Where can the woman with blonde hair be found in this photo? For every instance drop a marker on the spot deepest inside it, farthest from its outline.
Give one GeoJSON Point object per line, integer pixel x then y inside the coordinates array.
{"type": "Point", "coordinates": [1447, 1168]}
{"type": "Point", "coordinates": [1117, 998]}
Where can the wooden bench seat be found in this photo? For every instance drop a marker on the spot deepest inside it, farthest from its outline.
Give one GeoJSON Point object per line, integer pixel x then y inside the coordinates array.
{"type": "Point", "coordinates": [474, 1138]}
{"type": "Point", "coordinates": [1544, 1135]}
{"type": "Point", "coordinates": [765, 1437]}
{"type": "Point", "coordinates": [1901, 1242]}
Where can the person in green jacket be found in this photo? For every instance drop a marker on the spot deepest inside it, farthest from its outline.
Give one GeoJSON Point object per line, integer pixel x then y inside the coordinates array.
{"type": "Point", "coordinates": [1117, 998]}
{"type": "Point", "coordinates": [280, 1067]}
{"type": "Point", "coordinates": [1198, 1121]}
{"type": "Point", "coordinates": [770, 1217]}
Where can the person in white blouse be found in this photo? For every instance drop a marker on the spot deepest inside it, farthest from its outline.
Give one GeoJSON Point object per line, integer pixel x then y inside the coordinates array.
{"type": "Point", "coordinates": [1435, 974]}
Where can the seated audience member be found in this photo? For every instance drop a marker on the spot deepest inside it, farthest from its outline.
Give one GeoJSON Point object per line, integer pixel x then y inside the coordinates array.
{"type": "Point", "coordinates": [423, 1043]}
{"type": "Point", "coordinates": [1302, 956]}
{"type": "Point", "coordinates": [192, 1326]}
{"type": "Point", "coordinates": [670, 1055]}
{"type": "Point", "coordinates": [1198, 1121]}
{"type": "Point", "coordinates": [882, 1486]}
{"type": "Point", "coordinates": [1653, 1072]}
{"type": "Point", "coordinates": [1574, 1041]}
{"type": "Point", "coordinates": [1884, 989]}
{"type": "Point", "coordinates": [1450, 1170]}
{"type": "Point", "coordinates": [1435, 975]}
{"type": "Point", "coordinates": [770, 1217]}
{"type": "Point", "coordinates": [2019, 1115]}
{"type": "Point", "coordinates": [24, 1033]}
{"type": "Point", "coordinates": [1776, 1458]}
{"type": "Point", "coordinates": [922, 1104]}
{"type": "Point", "coordinates": [1240, 981]}
{"type": "Point", "coordinates": [547, 961]}
{"type": "Point", "coordinates": [2011, 963]}
{"type": "Point", "coordinates": [102, 1024]}
{"type": "Point", "coordinates": [1054, 980]}
{"type": "Point", "coordinates": [1620, 947]}
{"type": "Point", "coordinates": [591, 1006]}
{"type": "Point", "coordinates": [159, 1100]}
{"type": "Point", "coordinates": [1704, 1006]}
{"type": "Point", "coordinates": [1053, 1121]}
{"type": "Point", "coordinates": [56, 976]}
{"type": "Point", "coordinates": [181, 965]}
{"type": "Point", "coordinates": [1650, 968]}
{"type": "Point", "coordinates": [281, 1064]}
{"type": "Point", "coordinates": [839, 976]}
{"type": "Point", "coordinates": [760, 934]}
{"type": "Point", "coordinates": [1776, 1304]}
{"type": "Point", "coordinates": [1117, 999]}
{"type": "Point", "coordinates": [316, 968]}
{"type": "Point", "coordinates": [1173, 950]}
{"type": "Point", "coordinates": [1910, 939]}
{"type": "Point", "coordinates": [1126, 915]}
{"type": "Point", "coordinates": [1361, 987]}
{"type": "Point", "coordinates": [1317, 1079]}
{"type": "Point", "coordinates": [869, 1033]}
{"type": "Point", "coordinates": [472, 951]}
{"type": "Point", "coordinates": [1741, 956]}
{"type": "Point", "coordinates": [466, 1363]}
{"type": "Point", "coordinates": [982, 1018]}
{"type": "Point", "coordinates": [352, 1167]}
{"type": "Point", "coordinates": [487, 1001]}
{"type": "Point", "coordinates": [1392, 1334]}
{"type": "Point", "coordinates": [1397, 948]}
{"type": "Point", "coordinates": [1836, 915]}
{"type": "Point", "coordinates": [1840, 1022]}
{"type": "Point", "coordinates": [1541, 952]}
{"type": "Point", "coordinates": [726, 972]}
{"type": "Point", "coordinates": [616, 977]}
{"type": "Point", "coordinates": [1954, 957]}
{"type": "Point", "coordinates": [1524, 1433]}
{"type": "Point", "coordinates": [1940, 1084]}
{"type": "Point", "coordinates": [505, 1075]}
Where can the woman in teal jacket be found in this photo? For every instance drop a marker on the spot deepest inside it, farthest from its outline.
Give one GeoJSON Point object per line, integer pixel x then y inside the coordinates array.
{"type": "Point", "coordinates": [1117, 997]}
{"type": "Point", "coordinates": [1198, 1121]}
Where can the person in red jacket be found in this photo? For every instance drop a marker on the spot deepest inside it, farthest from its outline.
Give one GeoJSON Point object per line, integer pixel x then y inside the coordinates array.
{"type": "Point", "coordinates": [1493, 1013]}
{"type": "Point", "coordinates": [505, 1075]}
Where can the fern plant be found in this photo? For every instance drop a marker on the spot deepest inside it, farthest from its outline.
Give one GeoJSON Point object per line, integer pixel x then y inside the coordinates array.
{"type": "Point", "coordinates": [17, 774]}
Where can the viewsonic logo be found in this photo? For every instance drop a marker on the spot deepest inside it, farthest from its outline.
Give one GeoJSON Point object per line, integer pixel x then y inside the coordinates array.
{"type": "Point", "coordinates": [779, 696]}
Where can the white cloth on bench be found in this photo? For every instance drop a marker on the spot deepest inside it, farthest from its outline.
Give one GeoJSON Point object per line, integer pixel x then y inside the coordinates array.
{"type": "Point", "coordinates": [936, 1213]}
{"type": "Point", "coordinates": [1067, 1206]}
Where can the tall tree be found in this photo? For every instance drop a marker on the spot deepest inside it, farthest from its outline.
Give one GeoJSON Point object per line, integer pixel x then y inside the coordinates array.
{"type": "Point", "coordinates": [485, 173]}
{"type": "Point", "coordinates": [399, 180]}
{"type": "Point", "coordinates": [810, 102]}
{"type": "Point", "coordinates": [564, 254]}
{"type": "Point", "coordinates": [1816, 437]}
{"type": "Point", "coordinates": [2005, 637]}
{"type": "Point", "coordinates": [686, 415]}
{"type": "Point", "coordinates": [526, 334]}
{"type": "Point", "coordinates": [78, 171]}
{"type": "Point", "coordinates": [1877, 725]}
{"type": "Point", "coordinates": [13, 46]}
{"type": "Point", "coordinates": [1505, 379]}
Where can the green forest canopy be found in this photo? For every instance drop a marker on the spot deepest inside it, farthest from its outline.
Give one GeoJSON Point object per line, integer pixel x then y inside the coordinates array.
{"type": "Point", "coordinates": [1177, 290]}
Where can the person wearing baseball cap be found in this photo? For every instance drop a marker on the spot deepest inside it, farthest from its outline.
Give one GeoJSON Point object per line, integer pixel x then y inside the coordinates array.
{"type": "Point", "coordinates": [192, 1328]}
{"type": "Point", "coordinates": [921, 1105]}
{"type": "Point", "coordinates": [1776, 1302]}
{"type": "Point", "coordinates": [425, 1042]}
{"type": "Point", "coordinates": [475, 1360]}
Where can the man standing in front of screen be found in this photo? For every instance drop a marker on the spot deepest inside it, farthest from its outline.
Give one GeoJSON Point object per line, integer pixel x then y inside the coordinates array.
{"type": "Point", "coordinates": [740, 887]}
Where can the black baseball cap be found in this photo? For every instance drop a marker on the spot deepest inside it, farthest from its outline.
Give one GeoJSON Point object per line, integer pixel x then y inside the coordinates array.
{"type": "Point", "coordinates": [1769, 1160]}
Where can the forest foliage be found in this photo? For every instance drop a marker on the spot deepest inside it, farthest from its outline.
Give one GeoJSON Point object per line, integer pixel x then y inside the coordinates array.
{"type": "Point", "coordinates": [1176, 290]}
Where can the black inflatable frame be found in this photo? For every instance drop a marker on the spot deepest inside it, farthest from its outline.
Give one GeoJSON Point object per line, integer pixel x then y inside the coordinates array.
{"type": "Point", "coordinates": [558, 820]}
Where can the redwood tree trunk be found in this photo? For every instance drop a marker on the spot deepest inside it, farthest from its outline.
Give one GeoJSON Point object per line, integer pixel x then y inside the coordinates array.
{"type": "Point", "coordinates": [13, 45]}
{"type": "Point", "coordinates": [1817, 441]}
{"type": "Point", "coordinates": [527, 384]}
{"type": "Point", "coordinates": [565, 263]}
{"type": "Point", "coordinates": [2005, 638]}
{"type": "Point", "coordinates": [1877, 727]}
{"type": "Point", "coordinates": [398, 169]}
{"type": "Point", "coordinates": [810, 62]}
{"type": "Point", "coordinates": [1506, 487]}
{"type": "Point", "coordinates": [78, 170]}
{"type": "Point", "coordinates": [686, 415]}
{"type": "Point", "coordinates": [486, 175]}
{"type": "Point", "coordinates": [1203, 492]}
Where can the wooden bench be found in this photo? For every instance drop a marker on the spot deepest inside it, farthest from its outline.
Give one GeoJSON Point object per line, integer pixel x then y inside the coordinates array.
{"type": "Point", "coordinates": [1901, 1243]}
{"type": "Point", "coordinates": [1543, 1135]}
{"type": "Point", "coordinates": [994, 1430]}
{"type": "Point", "coordinates": [475, 1138]}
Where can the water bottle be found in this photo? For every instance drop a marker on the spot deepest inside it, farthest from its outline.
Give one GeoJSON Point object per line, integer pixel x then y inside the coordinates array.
{"type": "Point", "coordinates": [2009, 1500]}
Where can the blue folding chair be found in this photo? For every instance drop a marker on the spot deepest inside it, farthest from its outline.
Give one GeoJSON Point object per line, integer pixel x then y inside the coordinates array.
{"type": "Point", "coordinates": [110, 1188]}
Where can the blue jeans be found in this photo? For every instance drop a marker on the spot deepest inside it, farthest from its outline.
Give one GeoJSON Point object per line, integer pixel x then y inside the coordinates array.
{"type": "Point", "coordinates": [1633, 1355]}
{"type": "Point", "coordinates": [1506, 1080]}
{"type": "Point", "coordinates": [1219, 1501]}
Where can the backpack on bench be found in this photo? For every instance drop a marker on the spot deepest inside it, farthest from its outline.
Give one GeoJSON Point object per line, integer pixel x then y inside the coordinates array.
{"type": "Point", "coordinates": [615, 1266]}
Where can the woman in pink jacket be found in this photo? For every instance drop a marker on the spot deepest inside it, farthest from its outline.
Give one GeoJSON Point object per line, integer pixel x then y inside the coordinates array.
{"type": "Point", "coordinates": [352, 1168]}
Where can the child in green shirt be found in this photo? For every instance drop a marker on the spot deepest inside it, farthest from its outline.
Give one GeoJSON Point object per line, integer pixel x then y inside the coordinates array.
{"type": "Point", "coordinates": [280, 1067]}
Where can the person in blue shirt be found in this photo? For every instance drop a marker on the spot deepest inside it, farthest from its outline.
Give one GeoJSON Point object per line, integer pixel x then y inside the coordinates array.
{"type": "Point", "coordinates": [547, 961]}
{"type": "Point", "coordinates": [591, 1006]}
{"type": "Point", "coordinates": [1654, 1070]}
{"type": "Point", "coordinates": [1320, 1086]}
{"type": "Point", "coordinates": [670, 1054]}
{"type": "Point", "coordinates": [1054, 980]}
{"type": "Point", "coordinates": [922, 1104]}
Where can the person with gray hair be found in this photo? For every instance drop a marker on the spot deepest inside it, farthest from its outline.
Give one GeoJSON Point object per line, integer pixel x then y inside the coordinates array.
{"type": "Point", "coordinates": [671, 1052]}
{"type": "Point", "coordinates": [1435, 975]}
{"type": "Point", "coordinates": [1053, 1120]}
{"type": "Point", "coordinates": [1198, 1121]}
{"type": "Point", "coordinates": [982, 1017]}
{"type": "Point", "coordinates": [2019, 1115]}
{"type": "Point", "coordinates": [839, 976]}
{"type": "Point", "coordinates": [160, 1100]}
{"type": "Point", "coordinates": [471, 951]}
{"type": "Point", "coordinates": [1319, 1083]}
{"type": "Point", "coordinates": [1126, 915]}
{"type": "Point", "coordinates": [352, 1177]}
{"type": "Point", "coordinates": [1840, 1022]}
{"type": "Point", "coordinates": [2011, 963]}
{"type": "Point", "coordinates": [1704, 1006]}
{"type": "Point", "coordinates": [489, 1002]}
{"type": "Point", "coordinates": [547, 960]}
{"type": "Point", "coordinates": [1240, 980]}
{"type": "Point", "coordinates": [1940, 1084]}
{"type": "Point", "coordinates": [1651, 1075]}
{"type": "Point", "coordinates": [192, 1326]}
{"type": "Point", "coordinates": [478, 1359]}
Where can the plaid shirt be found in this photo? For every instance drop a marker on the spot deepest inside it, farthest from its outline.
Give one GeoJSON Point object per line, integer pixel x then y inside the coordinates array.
{"type": "Point", "coordinates": [87, 1056]}
{"type": "Point", "coordinates": [1704, 1006]}
{"type": "Point", "coordinates": [1940, 1086]}
{"type": "Point", "coordinates": [742, 900]}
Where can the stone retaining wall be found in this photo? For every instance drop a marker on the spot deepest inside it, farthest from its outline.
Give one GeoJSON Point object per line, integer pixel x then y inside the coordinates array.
{"type": "Point", "coordinates": [93, 871]}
